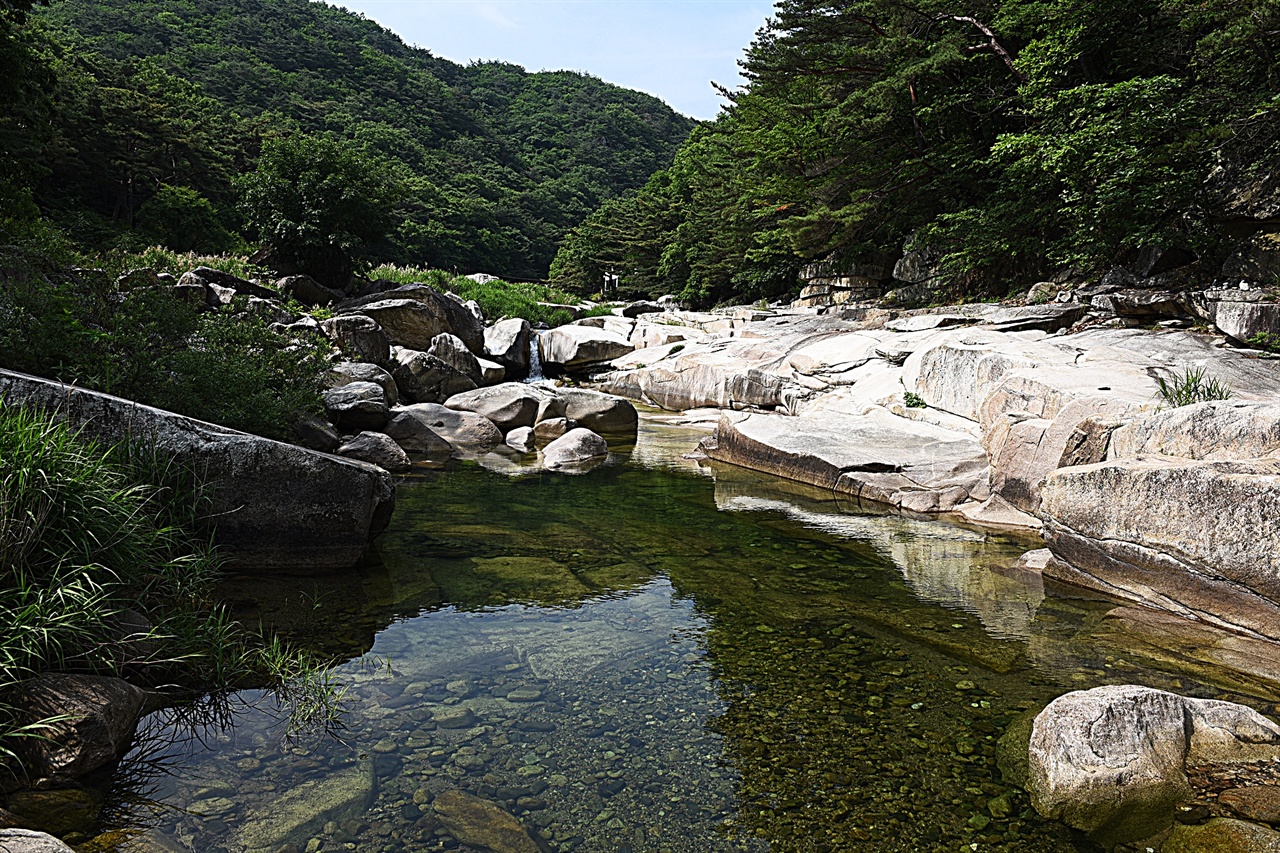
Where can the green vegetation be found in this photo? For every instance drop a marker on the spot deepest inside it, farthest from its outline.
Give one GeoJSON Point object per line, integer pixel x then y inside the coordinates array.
{"type": "Point", "coordinates": [496, 299]}
{"type": "Point", "coordinates": [103, 573]}
{"type": "Point", "coordinates": [1193, 385]}
{"type": "Point", "coordinates": [1265, 341]}
{"type": "Point", "coordinates": [913, 400]}
{"type": "Point", "coordinates": [128, 123]}
{"type": "Point", "coordinates": [1004, 140]}
{"type": "Point", "coordinates": [148, 344]}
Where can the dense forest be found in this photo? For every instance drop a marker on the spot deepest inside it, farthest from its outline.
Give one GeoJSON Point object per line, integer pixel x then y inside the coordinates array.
{"type": "Point", "coordinates": [135, 122]}
{"type": "Point", "coordinates": [1002, 141]}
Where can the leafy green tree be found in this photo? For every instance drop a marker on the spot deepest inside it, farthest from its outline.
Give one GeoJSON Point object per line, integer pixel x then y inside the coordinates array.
{"type": "Point", "coordinates": [319, 203]}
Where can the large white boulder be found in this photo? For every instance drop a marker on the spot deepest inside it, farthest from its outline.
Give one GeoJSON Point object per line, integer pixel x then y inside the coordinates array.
{"type": "Point", "coordinates": [574, 347]}
{"type": "Point", "coordinates": [1112, 760]}
{"type": "Point", "coordinates": [509, 405]}
{"type": "Point", "coordinates": [577, 447]}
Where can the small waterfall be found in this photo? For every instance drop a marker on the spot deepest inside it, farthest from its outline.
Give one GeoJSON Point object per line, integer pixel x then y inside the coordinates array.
{"type": "Point", "coordinates": [535, 360]}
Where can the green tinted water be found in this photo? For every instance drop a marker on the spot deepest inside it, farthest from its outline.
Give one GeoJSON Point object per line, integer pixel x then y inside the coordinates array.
{"type": "Point", "coordinates": [643, 658]}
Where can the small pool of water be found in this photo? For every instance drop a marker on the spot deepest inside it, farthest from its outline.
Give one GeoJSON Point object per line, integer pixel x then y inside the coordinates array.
{"type": "Point", "coordinates": [655, 656]}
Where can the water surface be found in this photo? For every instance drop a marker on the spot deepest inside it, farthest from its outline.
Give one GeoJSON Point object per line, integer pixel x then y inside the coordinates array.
{"type": "Point", "coordinates": [654, 656]}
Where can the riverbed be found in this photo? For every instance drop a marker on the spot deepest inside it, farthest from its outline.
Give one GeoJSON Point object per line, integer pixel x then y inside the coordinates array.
{"type": "Point", "coordinates": [659, 655]}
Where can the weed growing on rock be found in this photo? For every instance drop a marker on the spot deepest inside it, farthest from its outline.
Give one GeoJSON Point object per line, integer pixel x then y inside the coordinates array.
{"type": "Point", "coordinates": [1194, 385]}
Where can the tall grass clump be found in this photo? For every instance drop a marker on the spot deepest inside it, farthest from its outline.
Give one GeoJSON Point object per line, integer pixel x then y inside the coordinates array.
{"type": "Point", "coordinates": [1193, 385]}
{"type": "Point", "coordinates": [104, 570]}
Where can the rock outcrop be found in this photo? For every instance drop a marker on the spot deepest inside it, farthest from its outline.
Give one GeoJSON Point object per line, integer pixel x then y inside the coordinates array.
{"type": "Point", "coordinates": [275, 506]}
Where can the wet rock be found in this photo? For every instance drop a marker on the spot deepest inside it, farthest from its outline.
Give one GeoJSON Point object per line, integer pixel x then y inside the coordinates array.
{"type": "Point", "coordinates": [602, 413]}
{"type": "Point", "coordinates": [524, 694]}
{"type": "Point", "coordinates": [357, 406]}
{"type": "Point", "coordinates": [452, 351]}
{"type": "Point", "coordinates": [359, 337]}
{"type": "Point", "coordinates": [508, 342]}
{"type": "Point", "coordinates": [454, 717]}
{"type": "Point", "coordinates": [575, 447]}
{"type": "Point", "coordinates": [465, 430]}
{"type": "Point", "coordinates": [1256, 802]}
{"type": "Point", "coordinates": [100, 717]}
{"type": "Point", "coordinates": [509, 405]}
{"type": "Point", "coordinates": [411, 432]}
{"type": "Point", "coordinates": [480, 823]}
{"type": "Point", "coordinates": [1112, 760]}
{"type": "Point", "coordinates": [377, 449]}
{"type": "Point", "coordinates": [276, 505]}
{"type": "Point", "coordinates": [29, 841]}
{"type": "Point", "coordinates": [423, 378]}
{"type": "Point", "coordinates": [304, 809]}
{"type": "Point", "coordinates": [355, 371]}
{"type": "Point", "coordinates": [1222, 835]}
{"type": "Point", "coordinates": [59, 811]}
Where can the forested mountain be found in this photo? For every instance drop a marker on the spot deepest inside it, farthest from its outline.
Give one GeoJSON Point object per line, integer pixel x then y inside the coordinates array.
{"type": "Point", "coordinates": [1005, 140]}
{"type": "Point", "coordinates": [148, 111]}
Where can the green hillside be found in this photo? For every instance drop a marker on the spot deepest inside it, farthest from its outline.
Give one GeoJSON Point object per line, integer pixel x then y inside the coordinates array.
{"type": "Point", "coordinates": [156, 107]}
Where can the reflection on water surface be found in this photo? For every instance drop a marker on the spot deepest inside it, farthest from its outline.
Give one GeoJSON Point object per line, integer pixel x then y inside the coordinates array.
{"type": "Point", "coordinates": [645, 658]}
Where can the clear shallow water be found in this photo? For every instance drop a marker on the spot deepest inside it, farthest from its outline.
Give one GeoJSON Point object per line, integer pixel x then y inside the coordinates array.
{"type": "Point", "coordinates": [643, 658]}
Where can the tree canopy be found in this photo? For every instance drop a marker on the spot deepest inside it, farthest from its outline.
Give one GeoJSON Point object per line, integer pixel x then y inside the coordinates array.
{"type": "Point", "coordinates": [1011, 139]}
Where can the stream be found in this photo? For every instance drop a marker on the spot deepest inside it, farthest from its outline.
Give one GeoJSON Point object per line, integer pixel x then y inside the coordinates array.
{"type": "Point", "coordinates": [655, 656]}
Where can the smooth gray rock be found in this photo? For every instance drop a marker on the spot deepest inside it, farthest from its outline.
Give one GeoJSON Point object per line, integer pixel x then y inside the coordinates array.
{"type": "Point", "coordinates": [508, 342]}
{"type": "Point", "coordinates": [414, 436]}
{"type": "Point", "coordinates": [414, 327]}
{"type": "Point", "coordinates": [491, 373]}
{"type": "Point", "coordinates": [521, 439]}
{"type": "Point", "coordinates": [463, 430]}
{"type": "Point", "coordinates": [355, 371]}
{"type": "Point", "coordinates": [316, 433]}
{"type": "Point", "coordinates": [549, 430]}
{"type": "Point", "coordinates": [1243, 321]}
{"type": "Point", "coordinates": [307, 290]}
{"type": "Point", "coordinates": [635, 309]}
{"type": "Point", "coordinates": [452, 351]}
{"type": "Point", "coordinates": [377, 449]}
{"type": "Point", "coordinates": [509, 405]}
{"type": "Point", "coordinates": [360, 338]}
{"type": "Point", "coordinates": [567, 348]}
{"type": "Point", "coordinates": [1222, 835]}
{"type": "Point", "coordinates": [576, 447]}
{"type": "Point", "coordinates": [1112, 760]}
{"type": "Point", "coordinates": [357, 406]}
{"type": "Point", "coordinates": [275, 506]}
{"type": "Point", "coordinates": [301, 812]}
{"type": "Point", "coordinates": [1218, 429]}
{"type": "Point", "coordinates": [29, 841]}
{"type": "Point", "coordinates": [423, 378]}
{"type": "Point", "coordinates": [603, 413]}
{"type": "Point", "coordinates": [100, 713]}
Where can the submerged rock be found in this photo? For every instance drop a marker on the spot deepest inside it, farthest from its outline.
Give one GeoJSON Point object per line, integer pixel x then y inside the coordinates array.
{"type": "Point", "coordinates": [302, 812]}
{"type": "Point", "coordinates": [480, 823]}
{"type": "Point", "coordinates": [1222, 835]}
{"type": "Point", "coordinates": [1112, 760]}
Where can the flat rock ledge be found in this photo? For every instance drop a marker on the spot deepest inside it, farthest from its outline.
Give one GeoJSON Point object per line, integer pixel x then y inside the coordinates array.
{"type": "Point", "coordinates": [276, 506]}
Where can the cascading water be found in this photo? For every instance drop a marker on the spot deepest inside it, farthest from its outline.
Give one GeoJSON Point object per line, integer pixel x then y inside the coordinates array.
{"type": "Point", "coordinates": [535, 360]}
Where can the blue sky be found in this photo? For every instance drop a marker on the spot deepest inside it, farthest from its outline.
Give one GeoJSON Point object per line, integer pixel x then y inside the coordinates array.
{"type": "Point", "coordinates": [669, 48]}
